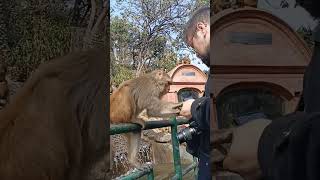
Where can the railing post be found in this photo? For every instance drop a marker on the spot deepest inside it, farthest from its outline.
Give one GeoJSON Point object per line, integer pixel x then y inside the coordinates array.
{"type": "Point", "coordinates": [173, 122]}
{"type": "Point", "coordinates": [150, 175]}
{"type": "Point", "coordinates": [175, 149]}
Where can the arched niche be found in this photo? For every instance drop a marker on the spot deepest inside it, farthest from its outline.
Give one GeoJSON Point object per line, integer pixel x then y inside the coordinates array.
{"type": "Point", "coordinates": [188, 93]}
{"type": "Point", "coordinates": [239, 99]}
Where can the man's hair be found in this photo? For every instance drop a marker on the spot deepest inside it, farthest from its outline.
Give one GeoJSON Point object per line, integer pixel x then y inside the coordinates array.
{"type": "Point", "coordinates": [312, 6]}
{"type": "Point", "coordinates": [200, 15]}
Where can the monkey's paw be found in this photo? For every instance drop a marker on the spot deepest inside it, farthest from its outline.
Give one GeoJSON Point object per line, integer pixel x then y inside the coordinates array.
{"type": "Point", "coordinates": [177, 105]}
{"type": "Point", "coordinates": [169, 112]}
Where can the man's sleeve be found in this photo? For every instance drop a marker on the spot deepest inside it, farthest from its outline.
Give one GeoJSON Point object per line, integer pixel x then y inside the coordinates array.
{"type": "Point", "coordinates": [200, 111]}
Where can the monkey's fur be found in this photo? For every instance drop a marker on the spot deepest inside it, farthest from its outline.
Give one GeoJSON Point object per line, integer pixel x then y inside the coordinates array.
{"type": "Point", "coordinates": [4, 89]}
{"type": "Point", "coordinates": [55, 127]}
{"type": "Point", "coordinates": [135, 95]}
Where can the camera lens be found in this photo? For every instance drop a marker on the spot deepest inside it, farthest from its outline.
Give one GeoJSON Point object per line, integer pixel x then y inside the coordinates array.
{"type": "Point", "coordinates": [186, 134]}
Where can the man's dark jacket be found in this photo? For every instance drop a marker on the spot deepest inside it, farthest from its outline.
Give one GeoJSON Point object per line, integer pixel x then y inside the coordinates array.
{"type": "Point", "coordinates": [199, 145]}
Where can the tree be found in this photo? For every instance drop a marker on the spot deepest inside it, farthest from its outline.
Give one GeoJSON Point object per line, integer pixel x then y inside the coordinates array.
{"type": "Point", "coordinates": [121, 73]}
{"type": "Point", "coordinates": [4, 20]}
{"type": "Point", "coordinates": [146, 35]}
{"type": "Point", "coordinates": [167, 62]}
{"type": "Point", "coordinates": [306, 34]}
{"type": "Point", "coordinates": [39, 31]}
{"type": "Point", "coordinates": [95, 35]}
{"type": "Point", "coordinates": [154, 23]}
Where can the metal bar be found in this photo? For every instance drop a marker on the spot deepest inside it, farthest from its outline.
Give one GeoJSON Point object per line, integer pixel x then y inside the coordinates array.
{"type": "Point", "coordinates": [176, 150]}
{"type": "Point", "coordinates": [195, 168]}
{"type": "Point", "coordinates": [150, 175]}
{"type": "Point", "coordinates": [189, 168]}
{"type": "Point", "coordinates": [131, 127]}
{"type": "Point", "coordinates": [140, 173]}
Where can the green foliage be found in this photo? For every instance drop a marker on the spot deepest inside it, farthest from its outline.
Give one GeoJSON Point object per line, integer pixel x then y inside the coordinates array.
{"type": "Point", "coordinates": [121, 31]}
{"type": "Point", "coordinates": [203, 2]}
{"type": "Point", "coordinates": [121, 73]}
{"type": "Point", "coordinates": [167, 62]}
{"type": "Point", "coordinates": [306, 34]}
{"type": "Point", "coordinates": [37, 35]}
{"type": "Point", "coordinates": [143, 32]}
{"type": "Point", "coordinates": [123, 35]}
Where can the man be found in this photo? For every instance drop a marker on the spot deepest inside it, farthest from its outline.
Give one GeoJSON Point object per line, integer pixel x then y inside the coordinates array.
{"type": "Point", "coordinates": [197, 36]}
{"type": "Point", "coordinates": [311, 83]}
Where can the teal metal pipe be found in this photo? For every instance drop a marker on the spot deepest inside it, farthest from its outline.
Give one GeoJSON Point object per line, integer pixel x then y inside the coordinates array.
{"type": "Point", "coordinates": [176, 150]}
{"type": "Point", "coordinates": [195, 168]}
{"type": "Point", "coordinates": [189, 168]}
{"type": "Point", "coordinates": [150, 175]}
{"type": "Point", "coordinates": [140, 173]}
{"type": "Point", "coordinates": [131, 127]}
{"type": "Point", "coordinates": [186, 171]}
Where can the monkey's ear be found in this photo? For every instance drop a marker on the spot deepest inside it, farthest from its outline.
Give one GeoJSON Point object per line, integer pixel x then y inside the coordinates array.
{"type": "Point", "coordinates": [159, 74]}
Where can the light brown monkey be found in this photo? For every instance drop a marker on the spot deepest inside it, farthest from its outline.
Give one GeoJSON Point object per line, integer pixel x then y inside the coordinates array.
{"type": "Point", "coordinates": [135, 95]}
{"type": "Point", "coordinates": [4, 89]}
{"type": "Point", "coordinates": [55, 126]}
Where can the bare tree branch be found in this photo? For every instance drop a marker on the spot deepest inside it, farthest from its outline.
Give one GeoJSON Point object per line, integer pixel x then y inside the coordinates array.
{"type": "Point", "coordinates": [92, 16]}
{"type": "Point", "coordinates": [101, 17]}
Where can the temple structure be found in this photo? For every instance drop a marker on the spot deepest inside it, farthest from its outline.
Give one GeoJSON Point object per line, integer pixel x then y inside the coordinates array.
{"type": "Point", "coordinates": [257, 64]}
{"type": "Point", "coordinates": [188, 82]}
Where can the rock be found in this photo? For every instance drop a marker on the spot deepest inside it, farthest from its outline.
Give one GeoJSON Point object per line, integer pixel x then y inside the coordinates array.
{"type": "Point", "coordinates": [149, 133]}
{"type": "Point", "coordinates": [163, 138]}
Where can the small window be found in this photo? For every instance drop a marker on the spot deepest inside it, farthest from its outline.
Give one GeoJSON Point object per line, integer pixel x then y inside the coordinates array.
{"type": "Point", "coordinates": [188, 74]}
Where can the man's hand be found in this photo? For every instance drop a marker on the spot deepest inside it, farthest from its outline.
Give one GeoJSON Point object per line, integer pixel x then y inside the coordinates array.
{"type": "Point", "coordinates": [186, 109]}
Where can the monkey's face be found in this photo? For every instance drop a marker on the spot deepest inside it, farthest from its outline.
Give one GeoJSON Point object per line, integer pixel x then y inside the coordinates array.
{"type": "Point", "coordinates": [164, 81]}
{"type": "Point", "coordinates": [163, 77]}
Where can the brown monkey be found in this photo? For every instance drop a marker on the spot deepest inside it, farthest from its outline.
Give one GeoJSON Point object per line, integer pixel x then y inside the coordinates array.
{"type": "Point", "coordinates": [4, 89]}
{"type": "Point", "coordinates": [55, 126]}
{"type": "Point", "coordinates": [135, 95]}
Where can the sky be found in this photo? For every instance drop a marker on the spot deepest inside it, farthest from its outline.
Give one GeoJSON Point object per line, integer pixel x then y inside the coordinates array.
{"type": "Point", "coordinates": [294, 17]}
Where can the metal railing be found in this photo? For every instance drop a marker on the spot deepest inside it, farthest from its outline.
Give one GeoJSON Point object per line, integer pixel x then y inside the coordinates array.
{"type": "Point", "coordinates": [173, 122]}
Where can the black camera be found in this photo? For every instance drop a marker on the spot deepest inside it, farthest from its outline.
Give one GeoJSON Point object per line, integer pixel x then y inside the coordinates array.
{"type": "Point", "coordinates": [186, 134]}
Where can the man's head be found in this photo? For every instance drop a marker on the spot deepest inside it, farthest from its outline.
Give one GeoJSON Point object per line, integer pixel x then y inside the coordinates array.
{"type": "Point", "coordinates": [197, 33]}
